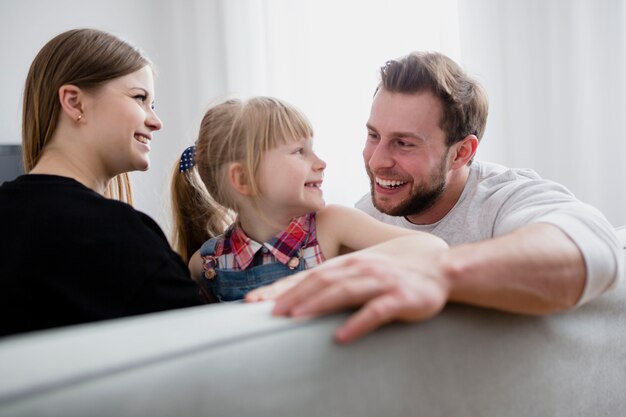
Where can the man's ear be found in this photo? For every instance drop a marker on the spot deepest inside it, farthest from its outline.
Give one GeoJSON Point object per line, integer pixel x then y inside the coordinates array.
{"type": "Point", "coordinates": [239, 179]}
{"type": "Point", "coordinates": [465, 151]}
{"type": "Point", "coordinates": [71, 99]}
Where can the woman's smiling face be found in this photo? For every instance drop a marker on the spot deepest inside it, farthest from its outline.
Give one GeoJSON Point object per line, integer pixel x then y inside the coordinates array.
{"type": "Point", "coordinates": [121, 119]}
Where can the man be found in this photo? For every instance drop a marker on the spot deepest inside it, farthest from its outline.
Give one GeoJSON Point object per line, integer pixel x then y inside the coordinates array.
{"type": "Point", "coordinates": [518, 243]}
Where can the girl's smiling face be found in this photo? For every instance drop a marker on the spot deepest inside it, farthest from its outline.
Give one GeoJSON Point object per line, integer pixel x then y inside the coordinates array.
{"type": "Point", "coordinates": [290, 178]}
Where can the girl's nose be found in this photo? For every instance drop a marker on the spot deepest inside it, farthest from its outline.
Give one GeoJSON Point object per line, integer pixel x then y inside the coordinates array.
{"type": "Point", "coordinates": [320, 164]}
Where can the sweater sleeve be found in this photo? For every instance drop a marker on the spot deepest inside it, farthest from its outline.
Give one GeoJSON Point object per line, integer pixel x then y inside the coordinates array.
{"type": "Point", "coordinates": [167, 288]}
{"type": "Point", "coordinates": [541, 201]}
{"type": "Point", "coordinates": [166, 283]}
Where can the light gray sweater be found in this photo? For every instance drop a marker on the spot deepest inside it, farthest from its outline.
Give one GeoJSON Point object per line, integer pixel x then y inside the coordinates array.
{"type": "Point", "coordinates": [497, 200]}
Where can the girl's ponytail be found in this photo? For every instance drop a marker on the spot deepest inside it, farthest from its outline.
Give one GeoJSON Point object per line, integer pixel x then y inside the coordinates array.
{"type": "Point", "coordinates": [197, 216]}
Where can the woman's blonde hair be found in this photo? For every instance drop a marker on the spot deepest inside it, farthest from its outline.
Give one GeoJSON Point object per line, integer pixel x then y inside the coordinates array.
{"type": "Point", "coordinates": [86, 58]}
{"type": "Point", "coordinates": [232, 131]}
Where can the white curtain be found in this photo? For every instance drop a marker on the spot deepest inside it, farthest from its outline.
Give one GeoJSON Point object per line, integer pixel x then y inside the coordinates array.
{"type": "Point", "coordinates": [323, 56]}
{"type": "Point", "coordinates": [555, 71]}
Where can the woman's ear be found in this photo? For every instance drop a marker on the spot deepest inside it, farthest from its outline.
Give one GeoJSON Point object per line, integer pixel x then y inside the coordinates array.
{"type": "Point", "coordinates": [465, 151]}
{"type": "Point", "coordinates": [239, 179]}
{"type": "Point", "coordinates": [71, 99]}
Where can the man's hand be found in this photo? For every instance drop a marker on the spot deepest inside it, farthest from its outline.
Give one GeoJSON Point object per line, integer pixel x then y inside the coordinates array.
{"type": "Point", "coordinates": [385, 289]}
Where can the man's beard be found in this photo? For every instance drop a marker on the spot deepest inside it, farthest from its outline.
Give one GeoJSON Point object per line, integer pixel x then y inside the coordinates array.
{"type": "Point", "coordinates": [421, 198]}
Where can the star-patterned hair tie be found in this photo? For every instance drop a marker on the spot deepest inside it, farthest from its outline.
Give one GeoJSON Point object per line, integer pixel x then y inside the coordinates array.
{"type": "Point", "coordinates": [187, 159]}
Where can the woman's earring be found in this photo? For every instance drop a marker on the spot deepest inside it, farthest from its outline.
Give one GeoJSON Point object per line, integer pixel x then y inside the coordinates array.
{"type": "Point", "coordinates": [80, 116]}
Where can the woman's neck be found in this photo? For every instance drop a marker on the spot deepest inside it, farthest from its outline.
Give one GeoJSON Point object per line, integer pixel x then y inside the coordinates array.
{"type": "Point", "coordinates": [62, 162]}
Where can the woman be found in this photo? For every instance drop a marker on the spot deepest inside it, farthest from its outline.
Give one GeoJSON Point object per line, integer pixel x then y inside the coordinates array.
{"type": "Point", "coordinates": [72, 250]}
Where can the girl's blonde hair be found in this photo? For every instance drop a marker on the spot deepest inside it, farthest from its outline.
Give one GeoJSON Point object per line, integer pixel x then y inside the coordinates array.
{"type": "Point", "coordinates": [86, 58]}
{"type": "Point", "coordinates": [233, 131]}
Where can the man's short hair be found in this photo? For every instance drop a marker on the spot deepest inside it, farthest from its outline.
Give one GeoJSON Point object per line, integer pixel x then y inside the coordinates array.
{"type": "Point", "coordinates": [464, 101]}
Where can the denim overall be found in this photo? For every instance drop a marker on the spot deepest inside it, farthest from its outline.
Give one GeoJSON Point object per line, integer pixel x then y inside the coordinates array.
{"type": "Point", "coordinates": [229, 285]}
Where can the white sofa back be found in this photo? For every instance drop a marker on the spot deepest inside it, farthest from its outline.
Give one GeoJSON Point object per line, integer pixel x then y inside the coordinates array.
{"type": "Point", "coordinates": [238, 360]}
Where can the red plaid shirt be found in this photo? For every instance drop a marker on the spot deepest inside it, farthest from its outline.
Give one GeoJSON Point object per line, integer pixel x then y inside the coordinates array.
{"type": "Point", "coordinates": [236, 251]}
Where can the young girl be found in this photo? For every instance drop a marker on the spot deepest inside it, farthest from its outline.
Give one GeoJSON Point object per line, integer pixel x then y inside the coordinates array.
{"type": "Point", "coordinates": [255, 161]}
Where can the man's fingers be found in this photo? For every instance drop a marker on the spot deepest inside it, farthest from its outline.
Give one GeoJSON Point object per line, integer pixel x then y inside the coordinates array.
{"type": "Point", "coordinates": [383, 291]}
{"type": "Point", "coordinates": [270, 292]}
{"type": "Point", "coordinates": [309, 288]}
{"type": "Point", "coordinates": [378, 311]}
{"type": "Point", "coordinates": [325, 290]}
{"type": "Point", "coordinates": [396, 304]}
{"type": "Point", "coordinates": [341, 288]}
{"type": "Point", "coordinates": [275, 290]}
{"type": "Point", "coordinates": [343, 294]}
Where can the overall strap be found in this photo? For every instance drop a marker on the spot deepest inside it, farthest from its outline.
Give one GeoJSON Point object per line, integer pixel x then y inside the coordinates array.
{"type": "Point", "coordinates": [208, 247]}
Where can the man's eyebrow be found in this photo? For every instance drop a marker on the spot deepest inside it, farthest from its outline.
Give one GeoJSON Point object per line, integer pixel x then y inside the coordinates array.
{"type": "Point", "coordinates": [399, 134]}
{"type": "Point", "coordinates": [408, 135]}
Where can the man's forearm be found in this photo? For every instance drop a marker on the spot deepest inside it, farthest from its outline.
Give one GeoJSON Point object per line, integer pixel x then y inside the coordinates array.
{"type": "Point", "coordinates": [537, 269]}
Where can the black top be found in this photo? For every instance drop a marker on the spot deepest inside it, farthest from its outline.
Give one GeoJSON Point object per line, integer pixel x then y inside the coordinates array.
{"type": "Point", "coordinates": [69, 255]}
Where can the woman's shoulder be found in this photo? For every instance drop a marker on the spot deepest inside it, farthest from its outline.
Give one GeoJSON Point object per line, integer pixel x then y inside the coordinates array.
{"type": "Point", "coordinates": [64, 203]}
{"type": "Point", "coordinates": [126, 218]}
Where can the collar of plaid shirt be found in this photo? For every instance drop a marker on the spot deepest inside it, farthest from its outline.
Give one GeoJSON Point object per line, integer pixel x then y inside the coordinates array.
{"type": "Point", "coordinates": [284, 245]}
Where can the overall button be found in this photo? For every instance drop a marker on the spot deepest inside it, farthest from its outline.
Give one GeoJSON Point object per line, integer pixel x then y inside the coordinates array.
{"type": "Point", "coordinates": [293, 262]}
